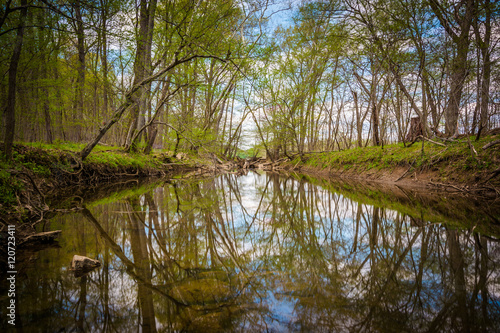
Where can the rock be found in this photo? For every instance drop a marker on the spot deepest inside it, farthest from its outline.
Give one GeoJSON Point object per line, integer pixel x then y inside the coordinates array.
{"type": "Point", "coordinates": [181, 156]}
{"type": "Point", "coordinates": [82, 265]}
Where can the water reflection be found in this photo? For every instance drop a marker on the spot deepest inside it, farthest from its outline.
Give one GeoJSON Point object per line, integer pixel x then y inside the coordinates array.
{"type": "Point", "coordinates": [260, 253]}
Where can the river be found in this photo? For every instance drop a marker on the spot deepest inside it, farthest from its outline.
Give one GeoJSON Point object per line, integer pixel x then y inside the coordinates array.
{"type": "Point", "coordinates": [264, 252]}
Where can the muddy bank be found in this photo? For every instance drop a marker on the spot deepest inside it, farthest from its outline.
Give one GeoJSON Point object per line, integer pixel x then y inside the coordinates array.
{"type": "Point", "coordinates": [36, 177]}
{"type": "Point", "coordinates": [423, 204]}
{"type": "Point", "coordinates": [458, 182]}
{"type": "Point", "coordinates": [461, 166]}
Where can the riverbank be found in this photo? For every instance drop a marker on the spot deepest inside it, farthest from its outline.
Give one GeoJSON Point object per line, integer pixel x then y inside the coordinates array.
{"type": "Point", "coordinates": [458, 166]}
{"type": "Point", "coordinates": [38, 172]}
{"type": "Point", "coordinates": [424, 206]}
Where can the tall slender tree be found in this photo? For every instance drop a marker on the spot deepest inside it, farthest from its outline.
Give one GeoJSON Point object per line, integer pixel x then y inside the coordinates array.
{"type": "Point", "coordinates": [10, 110]}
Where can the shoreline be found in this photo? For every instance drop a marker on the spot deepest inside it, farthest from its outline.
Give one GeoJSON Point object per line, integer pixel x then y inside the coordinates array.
{"type": "Point", "coordinates": [458, 167]}
{"type": "Point", "coordinates": [39, 172]}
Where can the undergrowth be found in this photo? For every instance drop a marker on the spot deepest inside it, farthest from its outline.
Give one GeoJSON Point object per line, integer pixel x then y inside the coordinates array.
{"type": "Point", "coordinates": [38, 164]}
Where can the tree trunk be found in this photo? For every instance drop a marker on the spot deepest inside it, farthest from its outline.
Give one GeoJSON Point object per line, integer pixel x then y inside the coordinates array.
{"type": "Point", "coordinates": [80, 80]}
{"type": "Point", "coordinates": [415, 130]}
{"type": "Point", "coordinates": [458, 75]}
{"type": "Point", "coordinates": [104, 57]}
{"type": "Point", "coordinates": [375, 123]}
{"type": "Point", "coordinates": [10, 110]}
{"type": "Point", "coordinates": [486, 68]}
{"type": "Point", "coordinates": [458, 70]}
{"type": "Point", "coordinates": [142, 69]}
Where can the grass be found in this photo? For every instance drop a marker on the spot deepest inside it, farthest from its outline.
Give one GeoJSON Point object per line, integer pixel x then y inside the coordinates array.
{"type": "Point", "coordinates": [118, 159]}
{"type": "Point", "coordinates": [105, 156]}
{"type": "Point", "coordinates": [68, 146]}
{"type": "Point", "coordinates": [455, 156]}
{"type": "Point", "coordinates": [46, 162]}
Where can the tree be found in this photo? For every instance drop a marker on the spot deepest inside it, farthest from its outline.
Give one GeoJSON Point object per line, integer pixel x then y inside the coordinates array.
{"type": "Point", "coordinates": [462, 14]}
{"type": "Point", "coordinates": [142, 68]}
{"type": "Point", "coordinates": [484, 46]}
{"type": "Point", "coordinates": [10, 110]}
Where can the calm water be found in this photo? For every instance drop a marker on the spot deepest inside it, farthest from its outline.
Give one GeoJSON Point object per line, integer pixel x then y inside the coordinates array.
{"type": "Point", "coordinates": [263, 252]}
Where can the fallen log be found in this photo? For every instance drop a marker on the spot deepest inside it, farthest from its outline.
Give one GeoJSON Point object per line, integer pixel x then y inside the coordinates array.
{"type": "Point", "coordinates": [40, 238]}
{"type": "Point", "coordinates": [491, 144]}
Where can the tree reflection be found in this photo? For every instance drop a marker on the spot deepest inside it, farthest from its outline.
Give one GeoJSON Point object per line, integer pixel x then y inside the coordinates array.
{"type": "Point", "coordinates": [263, 252]}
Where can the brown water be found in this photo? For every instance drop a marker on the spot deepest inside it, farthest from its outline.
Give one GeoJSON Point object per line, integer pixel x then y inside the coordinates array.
{"type": "Point", "coordinates": [263, 252]}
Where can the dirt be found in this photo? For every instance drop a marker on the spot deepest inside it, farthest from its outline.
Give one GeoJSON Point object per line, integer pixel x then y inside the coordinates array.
{"type": "Point", "coordinates": [447, 179]}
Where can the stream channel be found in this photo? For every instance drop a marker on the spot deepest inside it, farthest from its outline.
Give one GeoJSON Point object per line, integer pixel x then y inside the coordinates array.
{"type": "Point", "coordinates": [264, 252]}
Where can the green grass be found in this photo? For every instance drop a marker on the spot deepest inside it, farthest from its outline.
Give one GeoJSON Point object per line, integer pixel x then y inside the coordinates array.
{"type": "Point", "coordinates": [9, 187]}
{"type": "Point", "coordinates": [60, 154]}
{"type": "Point", "coordinates": [68, 146]}
{"type": "Point", "coordinates": [117, 159]}
{"type": "Point", "coordinates": [456, 155]}
{"type": "Point", "coordinates": [46, 162]}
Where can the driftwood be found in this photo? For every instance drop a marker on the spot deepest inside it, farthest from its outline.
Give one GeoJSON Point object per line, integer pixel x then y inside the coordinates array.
{"type": "Point", "coordinates": [270, 165]}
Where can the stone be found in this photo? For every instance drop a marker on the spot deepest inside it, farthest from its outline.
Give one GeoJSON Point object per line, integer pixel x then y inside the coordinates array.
{"type": "Point", "coordinates": [82, 265]}
{"type": "Point", "coordinates": [181, 156]}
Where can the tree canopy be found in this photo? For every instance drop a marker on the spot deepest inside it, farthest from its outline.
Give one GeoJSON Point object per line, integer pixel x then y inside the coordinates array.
{"type": "Point", "coordinates": [217, 76]}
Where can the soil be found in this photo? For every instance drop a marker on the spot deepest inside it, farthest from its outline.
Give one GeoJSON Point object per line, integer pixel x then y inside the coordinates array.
{"type": "Point", "coordinates": [448, 179]}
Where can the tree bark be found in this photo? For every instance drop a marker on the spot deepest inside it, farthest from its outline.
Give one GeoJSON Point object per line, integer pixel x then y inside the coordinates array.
{"type": "Point", "coordinates": [10, 110]}
{"type": "Point", "coordinates": [484, 45]}
{"type": "Point", "coordinates": [142, 69]}
{"type": "Point", "coordinates": [458, 70]}
{"type": "Point", "coordinates": [80, 80]}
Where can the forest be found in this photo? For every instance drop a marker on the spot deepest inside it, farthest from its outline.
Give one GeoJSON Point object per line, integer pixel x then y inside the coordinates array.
{"type": "Point", "coordinates": [267, 77]}
{"type": "Point", "coordinates": [250, 165]}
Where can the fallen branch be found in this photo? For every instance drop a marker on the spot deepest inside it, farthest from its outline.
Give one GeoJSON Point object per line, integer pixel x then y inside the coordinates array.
{"type": "Point", "coordinates": [449, 185]}
{"type": "Point", "coordinates": [404, 174]}
{"type": "Point", "coordinates": [426, 139]}
{"type": "Point", "coordinates": [494, 174]}
{"type": "Point", "coordinates": [446, 139]}
{"type": "Point", "coordinates": [491, 144]}
{"type": "Point", "coordinates": [129, 98]}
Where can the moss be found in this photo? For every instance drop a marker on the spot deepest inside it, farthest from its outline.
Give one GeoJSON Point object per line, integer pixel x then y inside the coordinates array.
{"type": "Point", "coordinates": [456, 157]}
{"type": "Point", "coordinates": [9, 187]}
